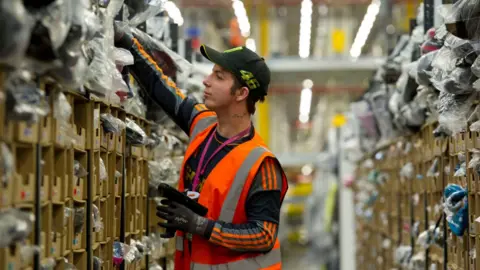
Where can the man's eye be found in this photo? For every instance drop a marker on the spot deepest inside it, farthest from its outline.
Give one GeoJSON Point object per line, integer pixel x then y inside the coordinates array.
{"type": "Point", "coordinates": [219, 77]}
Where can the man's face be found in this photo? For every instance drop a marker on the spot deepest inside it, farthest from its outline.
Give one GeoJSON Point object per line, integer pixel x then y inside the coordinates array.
{"type": "Point", "coordinates": [218, 84]}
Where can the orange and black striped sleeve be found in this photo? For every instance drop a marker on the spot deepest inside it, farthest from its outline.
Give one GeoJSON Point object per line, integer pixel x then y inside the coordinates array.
{"type": "Point", "coordinates": [151, 78]}
{"type": "Point", "coordinates": [263, 212]}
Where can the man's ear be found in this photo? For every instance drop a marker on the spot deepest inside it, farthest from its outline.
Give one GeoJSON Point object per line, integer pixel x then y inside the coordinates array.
{"type": "Point", "coordinates": [242, 93]}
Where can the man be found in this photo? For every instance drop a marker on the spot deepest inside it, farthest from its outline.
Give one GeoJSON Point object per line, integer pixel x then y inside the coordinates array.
{"type": "Point", "coordinates": [240, 182]}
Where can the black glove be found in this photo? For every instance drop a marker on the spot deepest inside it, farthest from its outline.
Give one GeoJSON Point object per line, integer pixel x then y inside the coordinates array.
{"type": "Point", "coordinates": [179, 217]}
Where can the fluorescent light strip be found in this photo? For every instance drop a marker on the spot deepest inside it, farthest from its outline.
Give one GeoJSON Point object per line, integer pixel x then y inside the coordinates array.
{"type": "Point", "coordinates": [242, 18]}
{"type": "Point", "coordinates": [305, 29]}
{"type": "Point", "coordinates": [365, 28]}
{"type": "Point", "coordinates": [305, 104]}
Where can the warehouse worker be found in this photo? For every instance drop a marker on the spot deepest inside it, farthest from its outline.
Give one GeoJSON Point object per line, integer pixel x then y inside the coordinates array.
{"type": "Point", "coordinates": [238, 179]}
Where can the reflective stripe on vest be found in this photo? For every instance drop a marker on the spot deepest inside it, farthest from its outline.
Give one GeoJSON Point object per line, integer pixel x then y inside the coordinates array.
{"type": "Point", "coordinates": [230, 204]}
{"type": "Point", "coordinates": [179, 243]}
{"type": "Point", "coordinates": [201, 125]}
{"type": "Point", "coordinates": [259, 262]}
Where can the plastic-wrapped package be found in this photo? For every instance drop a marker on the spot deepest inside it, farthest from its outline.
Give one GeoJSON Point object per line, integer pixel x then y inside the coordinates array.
{"type": "Point", "coordinates": [78, 170]}
{"type": "Point", "coordinates": [474, 162]}
{"type": "Point", "coordinates": [402, 255]}
{"type": "Point", "coordinates": [453, 110]}
{"type": "Point", "coordinates": [103, 171]}
{"type": "Point", "coordinates": [378, 101]}
{"type": "Point", "coordinates": [78, 220]}
{"type": "Point", "coordinates": [49, 33]}
{"type": "Point", "coordinates": [25, 101]}
{"type": "Point", "coordinates": [97, 219]}
{"type": "Point", "coordinates": [423, 68]}
{"type": "Point", "coordinates": [460, 81]}
{"type": "Point", "coordinates": [100, 68]}
{"type": "Point", "coordinates": [433, 171]}
{"type": "Point", "coordinates": [97, 263]}
{"type": "Point", "coordinates": [154, 8]}
{"type": "Point", "coordinates": [407, 171]}
{"type": "Point", "coordinates": [123, 57]}
{"type": "Point", "coordinates": [156, 48]}
{"type": "Point", "coordinates": [68, 265]}
{"type": "Point", "coordinates": [475, 126]}
{"type": "Point", "coordinates": [163, 171]}
{"type": "Point", "coordinates": [62, 111]}
{"type": "Point", "coordinates": [15, 32]}
{"type": "Point", "coordinates": [461, 171]}
{"type": "Point", "coordinates": [67, 213]}
{"type": "Point", "coordinates": [135, 134]}
{"type": "Point", "coordinates": [27, 253]}
{"type": "Point", "coordinates": [456, 208]}
{"type": "Point", "coordinates": [48, 264]}
{"type": "Point", "coordinates": [7, 164]}
{"type": "Point", "coordinates": [463, 19]}
{"type": "Point", "coordinates": [418, 261]}
{"type": "Point", "coordinates": [84, 26]}
{"type": "Point", "coordinates": [112, 124]}
{"type": "Point", "coordinates": [119, 251]}
{"type": "Point", "coordinates": [15, 226]}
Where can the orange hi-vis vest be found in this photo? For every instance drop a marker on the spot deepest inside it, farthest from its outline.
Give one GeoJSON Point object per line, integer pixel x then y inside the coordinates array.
{"type": "Point", "coordinates": [224, 193]}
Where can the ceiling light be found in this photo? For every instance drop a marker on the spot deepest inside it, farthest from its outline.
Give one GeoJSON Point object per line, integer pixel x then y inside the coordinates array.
{"type": "Point", "coordinates": [305, 29]}
{"type": "Point", "coordinates": [307, 83]}
{"type": "Point", "coordinates": [242, 18]}
{"type": "Point", "coordinates": [365, 28]}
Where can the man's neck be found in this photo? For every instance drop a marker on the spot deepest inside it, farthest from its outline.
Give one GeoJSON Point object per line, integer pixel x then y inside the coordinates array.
{"type": "Point", "coordinates": [232, 124]}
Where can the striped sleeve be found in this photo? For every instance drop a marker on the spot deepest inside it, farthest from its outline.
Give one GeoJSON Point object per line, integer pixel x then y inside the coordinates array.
{"type": "Point", "coordinates": [263, 212]}
{"type": "Point", "coordinates": [162, 89]}
{"type": "Point", "coordinates": [254, 236]}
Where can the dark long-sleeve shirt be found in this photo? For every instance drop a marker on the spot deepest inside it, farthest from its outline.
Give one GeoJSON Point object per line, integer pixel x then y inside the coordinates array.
{"type": "Point", "coordinates": [264, 197]}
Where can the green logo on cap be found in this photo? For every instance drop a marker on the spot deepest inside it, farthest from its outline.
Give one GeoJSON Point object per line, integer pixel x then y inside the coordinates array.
{"type": "Point", "coordinates": [249, 79]}
{"type": "Point", "coordinates": [233, 50]}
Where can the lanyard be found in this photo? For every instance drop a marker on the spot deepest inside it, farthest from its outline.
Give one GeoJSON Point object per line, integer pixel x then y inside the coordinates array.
{"type": "Point", "coordinates": [201, 167]}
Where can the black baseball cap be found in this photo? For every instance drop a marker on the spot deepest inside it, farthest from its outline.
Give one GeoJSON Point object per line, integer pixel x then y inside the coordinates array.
{"type": "Point", "coordinates": [248, 67]}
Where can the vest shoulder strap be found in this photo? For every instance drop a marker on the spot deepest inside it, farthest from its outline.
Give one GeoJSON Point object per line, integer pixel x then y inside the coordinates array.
{"type": "Point", "coordinates": [203, 122]}
{"type": "Point", "coordinates": [231, 201]}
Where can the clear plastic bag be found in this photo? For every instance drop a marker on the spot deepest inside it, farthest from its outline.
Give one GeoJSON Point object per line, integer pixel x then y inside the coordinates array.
{"type": "Point", "coordinates": [407, 171]}
{"type": "Point", "coordinates": [15, 226]}
{"type": "Point", "coordinates": [474, 162]}
{"type": "Point", "coordinates": [97, 263]}
{"type": "Point", "coordinates": [100, 68]}
{"type": "Point", "coordinates": [402, 255]}
{"type": "Point", "coordinates": [163, 171]}
{"type": "Point", "coordinates": [463, 19]}
{"type": "Point", "coordinates": [48, 264]}
{"type": "Point", "coordinates": [112, 124]}
{"type": "Point", "coordinates": [103, 171]}
{"type": "Point", "coordinates": [453, 110]}
{"type": "Point", "coordinates": [27, 253]}
{"type": "Point", "coordinates": [122, 57]}
{"type": "Point", "coordinates": [25, 101]}
{"type": "Point", "coordinates": [153, 45]}
{"type": "Point", "coordinates": [433, 171]}
{"type": "Point", "coordinates": [154, 8]}
{"type": "Point", "coordinates": [68, 212]}
{"type": "Point", "coordinates": [15, 32]}
{"type": "Point", "coordinates": [78, 220]}
{"type": "Point", "coordinates": [97, 219]}
{"type": "Point", "coordinates": [78, 170]}
{"type": "Point", "coordinates": [135, 134]}
{"type": "Point", "coordinates": [7, 164]}
{"type": "Point", "coordinates": [62, 111]}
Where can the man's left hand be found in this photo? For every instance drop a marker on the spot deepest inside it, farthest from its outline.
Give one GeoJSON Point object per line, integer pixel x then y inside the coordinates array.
{"type": "Point", "coordinates": [179, 217]}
